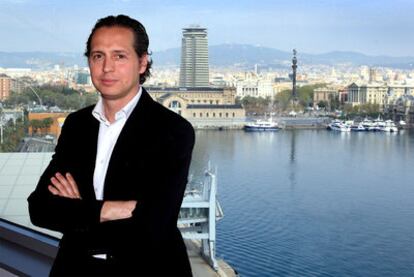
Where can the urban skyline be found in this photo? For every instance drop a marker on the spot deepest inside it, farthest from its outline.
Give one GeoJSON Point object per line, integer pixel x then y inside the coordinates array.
{"type": "Point", "coordinates": [374, 28]}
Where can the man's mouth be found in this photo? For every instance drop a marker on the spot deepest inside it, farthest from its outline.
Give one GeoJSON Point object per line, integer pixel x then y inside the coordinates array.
{"type": "Point", "coordinates": [108, 82]}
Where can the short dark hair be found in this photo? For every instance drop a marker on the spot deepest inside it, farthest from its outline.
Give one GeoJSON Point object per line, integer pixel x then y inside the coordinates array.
{"type": "Point", "coordinates": [141, 40]}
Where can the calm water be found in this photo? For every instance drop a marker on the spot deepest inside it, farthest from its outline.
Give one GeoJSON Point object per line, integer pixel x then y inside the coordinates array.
{"type": "Point", "coordinates": [313, 202]}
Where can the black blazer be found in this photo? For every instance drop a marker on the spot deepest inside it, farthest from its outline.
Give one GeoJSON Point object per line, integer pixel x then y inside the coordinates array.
{"type": "Point", "coordinates": [150, 164]}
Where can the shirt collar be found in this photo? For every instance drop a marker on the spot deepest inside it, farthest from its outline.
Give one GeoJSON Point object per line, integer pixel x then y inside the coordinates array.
{"type": "Point", "coordinates": [125, 112]}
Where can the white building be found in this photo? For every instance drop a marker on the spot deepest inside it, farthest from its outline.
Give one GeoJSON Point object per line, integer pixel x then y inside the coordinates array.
{"type": "Point", "coordinates": [254, 88]}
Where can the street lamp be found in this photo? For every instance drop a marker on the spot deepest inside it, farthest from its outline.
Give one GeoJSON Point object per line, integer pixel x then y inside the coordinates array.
{"type": "Point", "coordinates": [32, 89]}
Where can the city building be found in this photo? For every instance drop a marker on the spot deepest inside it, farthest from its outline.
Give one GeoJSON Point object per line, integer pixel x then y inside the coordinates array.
{"type": "Point", "coordinates": [396, 91]}
{"type": "Point", "coordinates": [194, 71]}
{"type": "Point", "coordinates": [255, 88]}
{"type": "Point", "coordinates": [5, 87]}
{"type": "Point", "coordinates": [403, 109]}
{"type": "Point", "coordinates": [325, 95]}
{"type": "Point", "coordinates": [372, 75]}
{"type": "Point", "coordinates": [203, 107]}
{"type": "Point", "coordinates": [83, 78]}
{"type": "Point", "coordinates": [381, 94]}
{"type": "Point", "coordinates": [367, 94]}
{"type": "Point", "coordinates": [19, 84]}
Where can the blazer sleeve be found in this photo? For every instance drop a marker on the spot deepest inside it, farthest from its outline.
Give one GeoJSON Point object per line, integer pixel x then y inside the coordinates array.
{"type": "Point", "coordinates": [158, 216]}
{"type": "Point", "coordinates": [60, 213]}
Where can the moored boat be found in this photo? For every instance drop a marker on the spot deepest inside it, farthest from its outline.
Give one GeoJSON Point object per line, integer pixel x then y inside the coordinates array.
{"type": "Point", "coordinates": [358, 127]}
{"type": "Point", "coordinates": [261, 125]}
{"type": "Point", "coordinates": [337, 125]}
{"type": "Point", "coordinates": [389, 126]}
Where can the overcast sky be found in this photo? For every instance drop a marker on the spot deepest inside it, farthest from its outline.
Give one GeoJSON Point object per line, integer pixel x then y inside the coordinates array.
{"type": "Point", "coordinates": [380, 27]}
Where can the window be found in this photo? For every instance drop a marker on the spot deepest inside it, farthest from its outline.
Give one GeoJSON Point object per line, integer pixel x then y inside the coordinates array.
{"type": "Point", "coordinates": [175, 106]}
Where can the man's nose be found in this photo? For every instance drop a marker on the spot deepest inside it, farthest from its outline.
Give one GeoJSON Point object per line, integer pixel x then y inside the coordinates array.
{"type": "Point", "coordinates": [108, 65]}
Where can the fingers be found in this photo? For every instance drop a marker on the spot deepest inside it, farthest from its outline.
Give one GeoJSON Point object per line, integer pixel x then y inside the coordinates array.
{"type": "Point", "coordinates": [60, 183]}
{"type": "Point", "coordinates": [53, 190]}
{"type": "Point", "coordinates": [65, 187]}
{"type": "Point", "coordinates": [114, 210]}
{"type": "Point", "coordinates": [73, 185]}
{"type": "Point", "coordinates": [131, 204]}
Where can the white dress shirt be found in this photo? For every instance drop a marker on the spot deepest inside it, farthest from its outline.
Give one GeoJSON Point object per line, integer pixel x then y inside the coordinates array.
{"type": "Point", "coordinates": [108, 135]}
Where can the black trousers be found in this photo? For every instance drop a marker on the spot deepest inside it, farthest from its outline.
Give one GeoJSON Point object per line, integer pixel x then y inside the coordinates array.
{"type": "Point", "coordinates": [87, 265]}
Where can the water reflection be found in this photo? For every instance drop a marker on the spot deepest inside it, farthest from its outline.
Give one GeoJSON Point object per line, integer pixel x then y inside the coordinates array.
{"type": "Point", "coordinates": [292, 159]}
{"type": "Point", "coordinates": [313, 202]}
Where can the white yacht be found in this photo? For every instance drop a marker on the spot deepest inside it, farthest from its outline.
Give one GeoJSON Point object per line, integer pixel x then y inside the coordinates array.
{"type": "Point", "coordinates": [337, 125]}
{"type": "Point", "coordinates": [368, 124]}
{"type": "Point", "coordinates": [379, 124]}
{"type": "Point", "coordinates": [389, 126]}
{"type": "Point", "coordinates": [261, 125]}
{"type": "Point", "coordinates": [358, 127]}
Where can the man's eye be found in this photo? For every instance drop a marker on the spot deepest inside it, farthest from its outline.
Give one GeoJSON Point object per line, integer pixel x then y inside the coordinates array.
{"type": "Point", "coordinates": [97, 57]}
{"type": "Point", "coordinates": [120, 57]}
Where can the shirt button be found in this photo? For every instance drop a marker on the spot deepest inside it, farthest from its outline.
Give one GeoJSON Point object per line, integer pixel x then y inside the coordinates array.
{"type": "Point", "coordinates": [101, 161]}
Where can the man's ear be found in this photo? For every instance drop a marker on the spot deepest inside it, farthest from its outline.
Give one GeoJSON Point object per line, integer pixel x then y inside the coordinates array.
{"type": "Point", "coordinates": [143, 63]}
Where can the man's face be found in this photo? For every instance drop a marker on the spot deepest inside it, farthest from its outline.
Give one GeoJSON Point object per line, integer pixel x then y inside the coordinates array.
{"type": "Point", "coordinates": [114, 64]}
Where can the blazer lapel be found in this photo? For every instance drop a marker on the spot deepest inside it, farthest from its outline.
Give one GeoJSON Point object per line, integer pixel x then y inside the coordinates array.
{"type": "Point", "coordinates": [131, 136]}
{"type": "Point", "coordinates": [89, 155]}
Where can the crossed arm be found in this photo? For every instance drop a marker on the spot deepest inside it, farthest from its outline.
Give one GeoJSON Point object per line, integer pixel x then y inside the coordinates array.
{"type": "Point", "coordinates": [65, 186]}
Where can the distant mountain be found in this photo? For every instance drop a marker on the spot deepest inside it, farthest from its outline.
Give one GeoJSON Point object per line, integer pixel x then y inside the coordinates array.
{"type": "Point", "coordinates": [40, 60]}
{"type": "Point", "coordinates": [236, 55]}
{"type": "Point", "coordinates": [342, 57]}
{"type": "Point", "coordinates": [248, 55]}
{"type": "Point", "coordinates": [227, 55]}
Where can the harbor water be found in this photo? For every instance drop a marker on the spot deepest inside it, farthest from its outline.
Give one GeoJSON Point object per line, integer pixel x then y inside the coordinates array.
{"type": "Point", "coordinates": [313, 202]}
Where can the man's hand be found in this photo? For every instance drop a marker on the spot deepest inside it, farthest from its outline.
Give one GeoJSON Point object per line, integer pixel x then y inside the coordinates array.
{"type": "Point", "coordinates": [113, 210]}
{"type": "Point", "coordinates": [64, 186]}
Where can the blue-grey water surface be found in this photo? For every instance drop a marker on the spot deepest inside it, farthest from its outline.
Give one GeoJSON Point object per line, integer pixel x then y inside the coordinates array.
{"type": "Point", "coordinates": [313, 202]}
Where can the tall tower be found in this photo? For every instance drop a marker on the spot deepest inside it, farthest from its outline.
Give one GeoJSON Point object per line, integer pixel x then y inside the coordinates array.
{"type": "Point", "coordinates": [194, 57]}
{"type": "Point", "coordinates": [294, 67]}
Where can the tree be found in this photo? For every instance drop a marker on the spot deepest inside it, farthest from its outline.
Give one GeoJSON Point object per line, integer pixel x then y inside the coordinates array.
{"type": "Point", "coordinates": [65, 98]}
{"type": "Point", "coordinates": [282, 99]}
{"type": "Point", "coordinates": [47, 122]}
{"type": "Point", "coordinates": [304, 96]}
{"type": "Point", "coordinates": [257, 105]}
{"type": "Point", "coordinates": [322, 104]}
{"type": "Point", "coordinates": [334, 102]}
{"type": "Point", "coordinates": [13, 134]}
{"type": "Point", "coordinates": [36, 124]}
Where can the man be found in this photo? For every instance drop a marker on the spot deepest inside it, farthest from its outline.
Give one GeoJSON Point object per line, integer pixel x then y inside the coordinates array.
{"type": "Point", "coordinates": [116, 182]}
